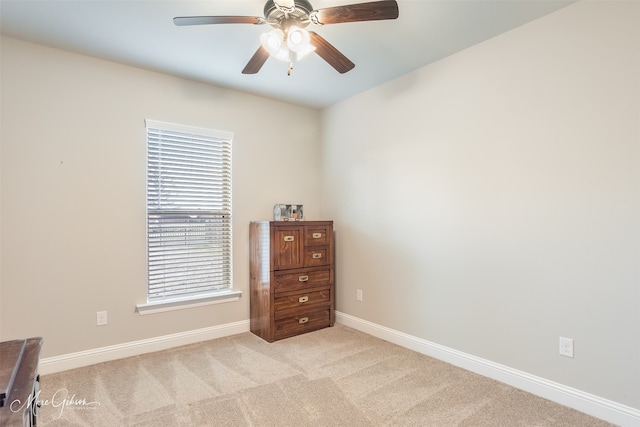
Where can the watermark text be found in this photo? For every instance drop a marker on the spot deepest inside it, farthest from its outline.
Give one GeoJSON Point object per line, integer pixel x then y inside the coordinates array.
{"type": "Point", "coordinates": [60, 400]}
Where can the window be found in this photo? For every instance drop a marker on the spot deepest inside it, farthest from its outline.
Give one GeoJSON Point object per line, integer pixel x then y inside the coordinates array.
{"type": "Point", "coordinates": [188, 214]}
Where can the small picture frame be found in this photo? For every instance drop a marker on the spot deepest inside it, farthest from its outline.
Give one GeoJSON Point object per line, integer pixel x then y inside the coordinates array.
{"type": "Point", "coordinates": [285, 212]}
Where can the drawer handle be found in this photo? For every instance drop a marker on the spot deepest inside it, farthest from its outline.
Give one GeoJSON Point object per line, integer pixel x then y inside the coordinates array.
{"type": "Point", "coordinates": [288, 238]}
{"type": "Point", "coordinates": [303, 299]}
{"type": "Point", "coordinates": [317, 255]}
{"type": "Point", "coordinates": [303, 278]}
{"type": "Point", "coordinates": [303, 320]}
{"type": "Point", "coordinates": [316, 235]}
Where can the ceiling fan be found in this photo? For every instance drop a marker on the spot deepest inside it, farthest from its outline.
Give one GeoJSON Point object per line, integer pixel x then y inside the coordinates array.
{"type": "Point", "coordinates": [288, 40]}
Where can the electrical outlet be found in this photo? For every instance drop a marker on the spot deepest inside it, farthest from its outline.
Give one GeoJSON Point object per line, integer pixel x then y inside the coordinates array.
{"type": "Point", "coordinates": [566, 347]}
{"type": "Point", "coordinates": [359, 294]}
{"type": "Point", "coordinates": [101, 318]}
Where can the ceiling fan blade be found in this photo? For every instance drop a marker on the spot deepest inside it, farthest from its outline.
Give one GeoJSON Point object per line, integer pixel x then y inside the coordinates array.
{"type": "Point", "coordinates": [206, 20]}
{"type": "Point", "coordinates": [329, 53]}
{"type": "Point", "coordinates": [371, 11]}
{"type": "Point", "coordinates": [257, 61]}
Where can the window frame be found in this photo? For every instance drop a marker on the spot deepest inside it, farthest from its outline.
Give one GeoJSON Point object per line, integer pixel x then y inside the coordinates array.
{"type": "Point", "coordinates": [184, 298]}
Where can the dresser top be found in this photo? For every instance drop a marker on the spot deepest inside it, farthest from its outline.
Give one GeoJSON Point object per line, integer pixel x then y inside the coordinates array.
{"type": "Point", "coordinates": [303, 222]}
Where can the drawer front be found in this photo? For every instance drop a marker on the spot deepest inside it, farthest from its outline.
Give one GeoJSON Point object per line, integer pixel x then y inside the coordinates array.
{"type": "Point", "coordinates": [301, 323]}
{"type": "Point", "coordinates": [317, 234]}
{"type": "Point", "coordinates": [287, 247]}
{"type": "Point", "coordinates": [288, 305]}
{"type": "Point", "coordinates": [301, 280]}
{"type": "Point", "coordinates": [315, 256]}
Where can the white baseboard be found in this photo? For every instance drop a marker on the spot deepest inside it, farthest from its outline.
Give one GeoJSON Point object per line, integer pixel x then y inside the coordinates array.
{"type": "Point", "coordinates": [65, 362]}
{"type": "Point", "coordinates": [593, 405]}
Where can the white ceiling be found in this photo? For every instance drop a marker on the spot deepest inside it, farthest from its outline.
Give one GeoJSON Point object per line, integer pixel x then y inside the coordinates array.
{"type": "Point", "coordinates": [141, 33]}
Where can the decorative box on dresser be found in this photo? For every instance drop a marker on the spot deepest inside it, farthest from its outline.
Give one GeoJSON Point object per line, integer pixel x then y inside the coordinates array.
{"type": "Point", "coordinates": [292, 277]}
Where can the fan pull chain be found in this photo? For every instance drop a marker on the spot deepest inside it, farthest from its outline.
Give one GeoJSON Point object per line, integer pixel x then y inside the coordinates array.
{"type": "Point", "coordinates": [290, 68]}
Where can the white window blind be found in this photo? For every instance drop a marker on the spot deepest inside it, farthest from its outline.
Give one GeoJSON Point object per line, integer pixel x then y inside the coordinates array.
{"type": "Point", "coordinates": [188, 211]}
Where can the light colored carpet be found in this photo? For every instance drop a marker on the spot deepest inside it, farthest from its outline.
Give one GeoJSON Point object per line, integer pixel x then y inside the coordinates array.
{"type": "Point", "coordinates": [333, 377]}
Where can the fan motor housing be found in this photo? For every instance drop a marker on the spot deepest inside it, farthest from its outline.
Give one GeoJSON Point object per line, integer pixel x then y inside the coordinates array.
{"type": "Point", "coordinates": [274, 15]}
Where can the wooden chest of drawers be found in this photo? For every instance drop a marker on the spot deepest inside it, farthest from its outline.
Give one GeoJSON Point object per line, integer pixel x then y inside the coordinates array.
{"type": "Point", "coordinates": [292, 277]}
{"type": "Point", "coordinates": [19, 382]}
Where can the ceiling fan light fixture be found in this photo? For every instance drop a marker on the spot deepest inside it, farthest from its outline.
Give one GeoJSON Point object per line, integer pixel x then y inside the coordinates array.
{"type": "Point", "coordinates": [304, 52]}
{"type": "Point", "coordinates": [298, 40]}
{"type": "Point", "coordinates": [272, 41]}
{"type": "Point", "coordinates": [283, 54]}
{"type": "Point", "coordinates": [288, 41]}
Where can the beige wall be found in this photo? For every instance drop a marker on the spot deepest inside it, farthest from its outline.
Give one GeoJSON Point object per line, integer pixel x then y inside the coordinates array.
{"type": "Point", "coordinates": [73, 191]}
{"type": "Point", "coordinates": [490, 202]}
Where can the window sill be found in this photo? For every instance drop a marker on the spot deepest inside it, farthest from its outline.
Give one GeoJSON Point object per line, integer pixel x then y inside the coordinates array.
{"type": "Point", "coordinates": [179, 304]}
